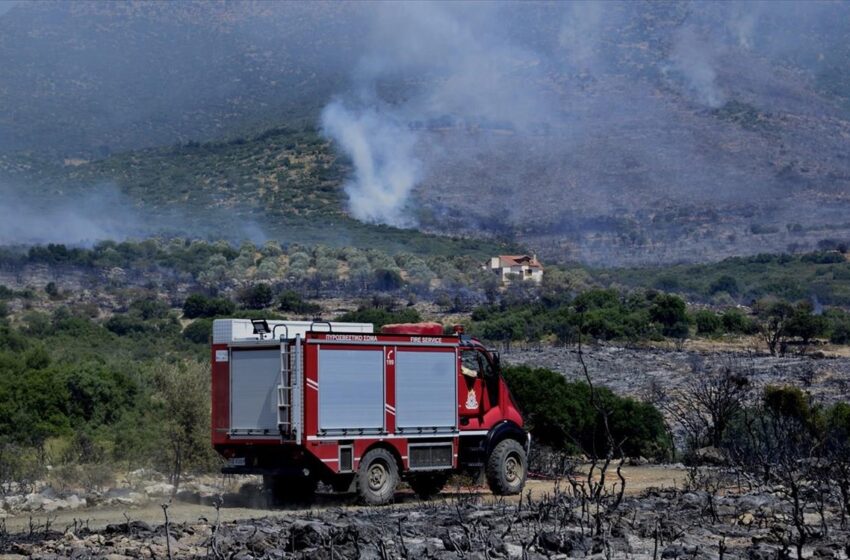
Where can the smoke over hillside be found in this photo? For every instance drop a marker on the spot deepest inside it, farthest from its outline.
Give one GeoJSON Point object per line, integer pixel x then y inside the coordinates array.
{"type": "Point", "coordinates": [548, 121]}
{"type": "Point", "coordinates": [611, 132]}
{"type": "Point", "coordinates": [97, 214]}
{"type": "Point", "coordinates": [448, 65]}
{"type": "Point", "coordinates": [385, 168]}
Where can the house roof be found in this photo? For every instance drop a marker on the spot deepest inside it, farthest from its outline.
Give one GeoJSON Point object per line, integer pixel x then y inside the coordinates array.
{"type": "Point", "coordinates": [519, 260]}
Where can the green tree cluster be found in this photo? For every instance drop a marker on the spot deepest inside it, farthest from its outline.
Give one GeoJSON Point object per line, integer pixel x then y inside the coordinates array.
{"type": "Point", "coordinates": [199, 305]}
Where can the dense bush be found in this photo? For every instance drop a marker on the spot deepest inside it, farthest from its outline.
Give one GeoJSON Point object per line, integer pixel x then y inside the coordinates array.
{"type": "Point", "coordinates": [745, 279]}
{"type": "Point", "coordinates": [708, 322]}
{"type": "Point", "coordinates": [736, 322]}
{"type": "Point", "coordinates": [199, 331]}
{"type": "Point", "coordinates": [560, 414]}
{"type": "Point", "coordinates": [83, 391]}
{"type": "Point", "coordinates": [724, 283]}
{"type": "Point", "coordinates": [599, 314]}
{"type": "Point", "coordinates": [144, 316]}
{"type": "Point", "coordinates": [291, 301]}
{"type": "Point", "coordinates": [258, 296]}
{"type": "Point", "coordinates": [199, 305]}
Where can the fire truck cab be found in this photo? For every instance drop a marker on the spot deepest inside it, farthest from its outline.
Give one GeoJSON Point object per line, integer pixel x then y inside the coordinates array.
{"type": "Point", "coordinates": [301, 402]}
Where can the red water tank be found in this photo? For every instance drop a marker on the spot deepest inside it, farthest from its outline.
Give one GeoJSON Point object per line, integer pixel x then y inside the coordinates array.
{"type": "Point", "coordinates": [432, 329]}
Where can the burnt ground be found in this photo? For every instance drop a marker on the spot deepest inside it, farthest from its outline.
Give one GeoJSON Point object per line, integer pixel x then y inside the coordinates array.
{"type": "Point", "coordinates": [685, 522]}
{"type": "Point", "coordinates": [660, 374]}
{"type": "Point", "coordinates": [665, 513]}
{"type": "Point", "coordinates": [639, 372]}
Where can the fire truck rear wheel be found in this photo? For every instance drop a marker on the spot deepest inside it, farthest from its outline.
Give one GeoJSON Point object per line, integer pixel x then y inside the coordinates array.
{"type": "Point", "coordinates": [506, 468]}
{"type": "Point", "coordinates": [377, 477]}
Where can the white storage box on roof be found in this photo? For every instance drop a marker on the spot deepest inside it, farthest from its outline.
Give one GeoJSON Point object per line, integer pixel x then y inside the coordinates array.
{"type": "Point", "coordinates": [226, 331]}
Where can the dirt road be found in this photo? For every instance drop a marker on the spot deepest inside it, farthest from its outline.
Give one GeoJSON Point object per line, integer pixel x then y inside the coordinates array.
{"type": "Point", "coordinates": [638, 479]}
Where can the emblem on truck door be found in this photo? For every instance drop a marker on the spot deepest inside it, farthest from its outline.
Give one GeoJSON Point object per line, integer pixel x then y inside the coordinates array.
{"type": "Point", "coordinates": [471, 400]}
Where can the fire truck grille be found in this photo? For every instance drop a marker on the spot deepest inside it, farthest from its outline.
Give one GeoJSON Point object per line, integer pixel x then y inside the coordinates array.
{"type": "Point", "coordinates": [430, 455]}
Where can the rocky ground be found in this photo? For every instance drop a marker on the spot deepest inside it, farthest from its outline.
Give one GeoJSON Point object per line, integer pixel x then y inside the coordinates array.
{"type": "Point", "coordinates": [639, 371]}
{"type": "Point", "coordinates": [658, 523]}
{"type": "Point", "coordinates": [660, 373]}
{"type": "Point", "coordinates": [666, 513]}
{"type": "Point", "coordinates": [132, 490]}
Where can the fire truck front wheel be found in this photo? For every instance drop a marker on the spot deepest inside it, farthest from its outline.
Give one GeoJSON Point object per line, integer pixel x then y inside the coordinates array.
{"type": "Point", "coordinates": [377, 477]}
{"type": "Point", "coordinates": [506, 468]}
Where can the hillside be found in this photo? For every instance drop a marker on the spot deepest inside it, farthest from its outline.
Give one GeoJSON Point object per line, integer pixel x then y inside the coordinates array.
{"type": "Point", "coordinates": [627, 133]}
{"type": "Point", "coordinates": [282, 184]}
{"type": "Point", "coordinates": [83, 79]}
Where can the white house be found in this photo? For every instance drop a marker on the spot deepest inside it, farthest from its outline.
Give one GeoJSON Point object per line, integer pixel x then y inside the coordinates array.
{"type": "Point", "coordinates": [509, 267]}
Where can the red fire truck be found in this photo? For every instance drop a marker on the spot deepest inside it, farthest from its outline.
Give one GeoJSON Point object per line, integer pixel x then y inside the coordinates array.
{"type": "Point", "coordinates": [301, 402]}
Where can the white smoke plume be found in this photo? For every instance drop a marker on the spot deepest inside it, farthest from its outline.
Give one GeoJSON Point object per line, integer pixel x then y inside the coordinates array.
{"type": "Point", "coordinates": [385, 169]}
{"type": "Point", "coordinates": [694, 59]}
{"type": "Point", "coordinates": [581, 32]}
{"type": "Point", "coordinates": [102, 212]}
{"type": "Point", "coordinates": [471, 75]}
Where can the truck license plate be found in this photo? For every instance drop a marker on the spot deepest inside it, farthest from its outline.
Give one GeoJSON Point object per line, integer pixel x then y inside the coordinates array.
{"type": "Point", "coordinates": [237, 461]}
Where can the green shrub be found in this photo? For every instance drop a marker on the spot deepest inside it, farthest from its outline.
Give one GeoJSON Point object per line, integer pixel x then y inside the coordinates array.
{"type": "Point", "coordinates": [199, 331]}
{"type": "Point", "coordinates": [291, 301]}
{"type": "Point", "coordinates": [734, 321]}
{"type": "Point", "coordinates": [789, 402]}
{"type": "Point", "coordinates": [258, 296]}
{"type": "Point", "coordinates": [124, 325]}
{"type": "Point", "coordinates": [840, 331]}
{"type": "Point", "coordinates": [199, 305]}
{"type": "Point", "coordinates": [724, 283]}
{"type": "Point", "coordinates": [560, 414]}
{"type": "Point", "coordinates": [707, 322]}
{"type": "Point", "coordinates": [670, 312]}
{"type": "Point", "coordinates": [195, 306]}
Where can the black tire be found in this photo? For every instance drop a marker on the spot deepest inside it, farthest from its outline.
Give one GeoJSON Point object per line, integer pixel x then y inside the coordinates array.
{"type": "Point", "coordinates": [426, 486]}
{"type": "Point", "coordinates": [377, 477]}
{"type": "Point", "coordinates": [289, 490]}
{"type": "Point", "coordinates": [506, 468]}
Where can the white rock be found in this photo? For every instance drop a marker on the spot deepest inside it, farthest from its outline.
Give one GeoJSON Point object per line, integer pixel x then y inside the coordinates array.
{"type": "Point", "coordinates": [513, 550]}
{"type": "Point", "coordinates": [75, 502]}
{"type": "Point", "coordinates": [159, 489]}
{"type": "Point", "coordinates": [53, 505]}
{"type": "Point", "coordinates": [34, 502]}
{"type": "Point", "coordinates": [13, 502]}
